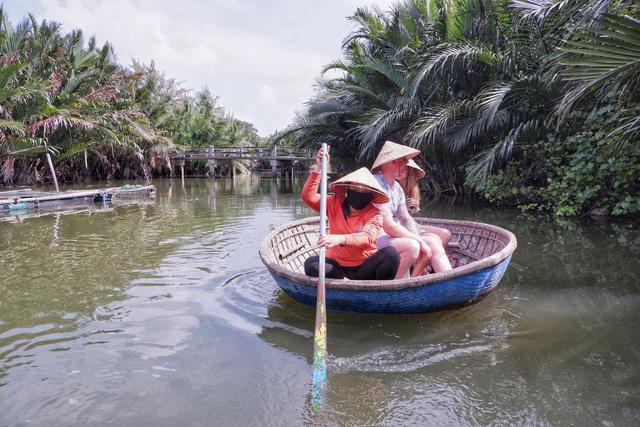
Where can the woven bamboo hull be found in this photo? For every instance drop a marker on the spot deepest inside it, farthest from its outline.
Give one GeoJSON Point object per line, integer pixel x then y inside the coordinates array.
{"type": "Point", "coordinates": [437, 296]}
{"type": "Point", "coordinates": [480, 259]}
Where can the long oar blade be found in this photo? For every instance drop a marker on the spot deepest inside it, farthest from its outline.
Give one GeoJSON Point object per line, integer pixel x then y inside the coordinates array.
{"type": "Point", "coordinates": [320, 335]}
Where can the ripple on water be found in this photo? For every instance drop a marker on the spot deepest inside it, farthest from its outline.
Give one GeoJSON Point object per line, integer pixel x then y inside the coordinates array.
{"type": "Point", "coordinates": [407, 358]}
{"type": "Point", "coordinates": [241, 298]}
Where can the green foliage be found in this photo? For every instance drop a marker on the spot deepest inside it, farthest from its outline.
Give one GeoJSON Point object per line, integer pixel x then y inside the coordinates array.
{"type": "Point", "coordinates": [487, 89]}
{"type": "Point", "coordinates": [574, 174]}
{"type": "Point", "coordinates": [65, 96]}
{"type": "Point", "coordinates": [607, 62]}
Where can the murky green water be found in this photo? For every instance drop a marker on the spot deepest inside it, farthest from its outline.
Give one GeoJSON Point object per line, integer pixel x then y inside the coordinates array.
{"type": "Point", "coordinates": [161, 314]}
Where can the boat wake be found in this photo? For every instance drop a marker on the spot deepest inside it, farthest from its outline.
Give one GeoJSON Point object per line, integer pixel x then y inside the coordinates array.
{"type": "Point", "coordinates": [406, 359]}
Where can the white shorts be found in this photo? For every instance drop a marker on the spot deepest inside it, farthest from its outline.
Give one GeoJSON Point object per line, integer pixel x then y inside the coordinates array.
{"type": "Point", "coordinates": [383, 241]}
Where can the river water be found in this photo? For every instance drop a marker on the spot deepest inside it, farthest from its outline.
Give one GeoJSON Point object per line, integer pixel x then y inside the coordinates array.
{"type": "Point", "coordinates": [161, 314]}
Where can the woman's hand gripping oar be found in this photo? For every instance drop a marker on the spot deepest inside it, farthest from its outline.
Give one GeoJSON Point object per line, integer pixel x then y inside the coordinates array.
{"type": "Point", "coordinates": [320, 335]}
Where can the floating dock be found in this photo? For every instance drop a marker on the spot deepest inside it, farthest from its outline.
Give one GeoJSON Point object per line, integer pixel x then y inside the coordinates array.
{"type": "Point", "coordinates": [27, 198]}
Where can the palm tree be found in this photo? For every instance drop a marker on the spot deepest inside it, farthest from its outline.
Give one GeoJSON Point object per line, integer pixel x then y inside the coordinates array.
{"type": "Point", "coordinates": [439, 76]}
{"type": "Point", "coordinates": [600, 54]}
{"type": "Point", "coordinates": [65, 100]}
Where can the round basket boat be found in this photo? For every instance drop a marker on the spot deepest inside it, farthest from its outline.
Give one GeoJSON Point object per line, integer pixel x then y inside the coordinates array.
{"type": "Point", "coordinates": [479, 253]}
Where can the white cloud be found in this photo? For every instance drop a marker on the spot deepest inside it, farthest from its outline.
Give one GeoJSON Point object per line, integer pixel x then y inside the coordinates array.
{"type": "Point", "coordinates": [260, 57]}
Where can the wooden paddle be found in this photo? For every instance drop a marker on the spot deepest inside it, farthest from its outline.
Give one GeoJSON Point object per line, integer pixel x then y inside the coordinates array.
{"type": "Point", "coordinates": [320, 335]}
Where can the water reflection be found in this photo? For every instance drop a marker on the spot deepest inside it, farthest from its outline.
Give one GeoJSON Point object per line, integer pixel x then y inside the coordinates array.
{"type": "Point", "coordinates": [162, 314]}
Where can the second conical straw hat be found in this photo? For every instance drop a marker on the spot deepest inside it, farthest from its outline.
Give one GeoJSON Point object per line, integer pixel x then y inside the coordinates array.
{"type": "Point", "coordinates": [417, 169]}
{"type": "Point", "coordinates": [392, 151]}
{"type": "Point", "coordinates": [361, 180]}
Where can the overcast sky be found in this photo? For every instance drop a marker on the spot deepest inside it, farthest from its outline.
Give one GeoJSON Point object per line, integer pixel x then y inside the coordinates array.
{"type": "Point", "coordinates": [260, 57]}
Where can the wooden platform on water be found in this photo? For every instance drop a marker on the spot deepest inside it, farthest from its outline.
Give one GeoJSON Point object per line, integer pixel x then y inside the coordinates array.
{"type": "Point", "coordinates": [31, 197]}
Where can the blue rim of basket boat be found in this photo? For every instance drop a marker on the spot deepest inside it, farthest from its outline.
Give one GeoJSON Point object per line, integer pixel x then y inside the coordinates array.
{"type": "Point", "coordinates": [393, 285]}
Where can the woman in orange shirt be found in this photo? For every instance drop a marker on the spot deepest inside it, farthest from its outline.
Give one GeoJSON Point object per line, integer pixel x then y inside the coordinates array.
{"type": "Point", "coordinates": [354, 224]}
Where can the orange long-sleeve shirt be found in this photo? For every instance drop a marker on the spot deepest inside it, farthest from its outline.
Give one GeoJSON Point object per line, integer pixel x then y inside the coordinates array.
{"type": "Point", "coordinates": [360, 230]}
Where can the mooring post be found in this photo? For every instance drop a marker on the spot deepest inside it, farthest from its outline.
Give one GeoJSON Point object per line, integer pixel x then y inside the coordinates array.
{"type": "Point", "coordinates": [53, 172]}
{"type": "Point", "coordinates": [274, 162]}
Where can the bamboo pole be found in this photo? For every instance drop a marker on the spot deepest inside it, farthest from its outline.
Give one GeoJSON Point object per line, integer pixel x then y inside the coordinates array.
{"type": "Point", "coordinates": [320, 335]}
{"type": "Point", "coordinates": [53, 172]}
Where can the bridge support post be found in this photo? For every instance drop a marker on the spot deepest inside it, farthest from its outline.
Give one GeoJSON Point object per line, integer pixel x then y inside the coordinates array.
{"type": "Point", "coordinates": [181, 164]}
{"type": "Point", "coordinates": [274, 167]}
{"type": "Point", "coordinates": [212, 168]}
{"type": "Point", "coordinates": [287, 168]}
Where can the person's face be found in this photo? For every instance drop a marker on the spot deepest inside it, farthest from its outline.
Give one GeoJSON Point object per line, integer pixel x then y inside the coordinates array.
{"type": "Point", "coordinates": [395, 168]}
{"type": "Point", "coordinates": [401, 168]}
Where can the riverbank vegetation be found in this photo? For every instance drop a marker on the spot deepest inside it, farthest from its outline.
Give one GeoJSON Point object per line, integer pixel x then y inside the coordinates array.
{"type": "Point", "coordinates": [67, 99]}
{"type": "Point", "coordinates": [533, 103]}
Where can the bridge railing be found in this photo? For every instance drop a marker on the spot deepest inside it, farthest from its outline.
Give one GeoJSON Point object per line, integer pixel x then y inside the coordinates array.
{"type": "Point", "coordinates": [275, 152]}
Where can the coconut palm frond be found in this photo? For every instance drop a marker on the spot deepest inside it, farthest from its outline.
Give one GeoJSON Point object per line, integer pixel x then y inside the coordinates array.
{"type": "Point", "coordinates": [367, 93]}
{"type": "Point", "coordinates": [579, 12]}
{"type": "Point", "coordinates": [538, 10]}
{"type": "Point", "coordinates": [12, 125]}
{"type": "Point", "coordinates": [73, 83]}
{"type": "Point", "coordinates": [371, 25]}
{"type": "Point", "coordinates": [474, 129]}
{"type": "Point", "coordinates": [385, 68]}
{"type": "Point", "coordinates": [607, 61]}
{"type": "Point", "coordinates": [629, 129]}
{"type": "Point", "coordinates": [75, 149]}
{"type": "Point", "coordinates": [456, 19]}
{"type": "Point", "coordinates": [484, 163]}
{"type": "Point", "coordinates": [335, 65]}
{"type": "Point", "coordinates": [492, 98]}
{"type": "Point", "coordinates": [448, 55]}
{"type": "Point", "coordinates": [23, 146]}
{"type": "Point", "coordinates": [435, 122]}
{"type": "Point", "coordinates": [8, 72]}
{"type": "Point", "coordinates": [374, 125]}
{"type": "Point", "coordinates": [104, 93]}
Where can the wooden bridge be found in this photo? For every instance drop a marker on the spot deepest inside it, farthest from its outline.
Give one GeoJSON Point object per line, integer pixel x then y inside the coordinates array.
{"type": "Point", "coordinates": [282, 158]}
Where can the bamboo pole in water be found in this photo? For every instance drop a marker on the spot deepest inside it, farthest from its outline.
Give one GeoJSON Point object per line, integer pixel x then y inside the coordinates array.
{"type": "Point", "coordinates": [53, 172]}
{"type": "Point", "coordinates": [320, 335]}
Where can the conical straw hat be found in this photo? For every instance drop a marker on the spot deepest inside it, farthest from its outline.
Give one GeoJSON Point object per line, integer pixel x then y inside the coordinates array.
{"type": "Point", "coordinates": [392, 151]}
{"type": "Point", "coordinates": [416, 169]}
{"type": "Point", "coordinates": [361, 180]}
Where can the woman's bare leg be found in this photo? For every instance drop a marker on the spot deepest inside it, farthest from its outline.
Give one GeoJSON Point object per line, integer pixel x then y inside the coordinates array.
{"type": "Point", "coordinates": [408, 249]}
{"type": "Point", "coordinates": [439, 259]}
{"type": "Point", "coordinates": [442, 233]}
{"type": "Point", "coordinates": [420, 266]}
